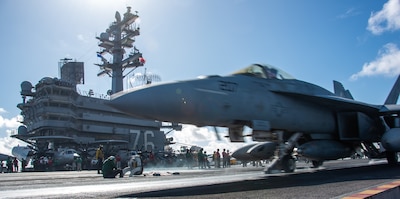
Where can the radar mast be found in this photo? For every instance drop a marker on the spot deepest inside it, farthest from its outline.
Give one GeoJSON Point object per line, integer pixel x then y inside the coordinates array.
{"type": "Point", "coordinates": [119, 36]}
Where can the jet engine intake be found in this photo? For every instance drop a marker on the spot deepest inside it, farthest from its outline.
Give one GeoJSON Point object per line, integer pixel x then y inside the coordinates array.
{"type": "Point", "coordinates": [324, 150]}
{"type": "Point", "coordinates": [391, 140]}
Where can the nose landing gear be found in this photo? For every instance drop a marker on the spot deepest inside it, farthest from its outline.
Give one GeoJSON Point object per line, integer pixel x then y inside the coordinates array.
{"type": "Point", "coordinates": [284, 160]}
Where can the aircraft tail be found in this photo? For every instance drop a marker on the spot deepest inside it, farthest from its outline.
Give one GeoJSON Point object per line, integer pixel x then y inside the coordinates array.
{"type": "Point", "coordinates": [394, 93]}
{"type": "Point", "coordinates": [340, 91]}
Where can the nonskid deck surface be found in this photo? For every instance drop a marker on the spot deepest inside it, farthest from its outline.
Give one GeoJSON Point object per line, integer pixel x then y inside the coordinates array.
{"type": "Point", "coordinates": [75, 184]}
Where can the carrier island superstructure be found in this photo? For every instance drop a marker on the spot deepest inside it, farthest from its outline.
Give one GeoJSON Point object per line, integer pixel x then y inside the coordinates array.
{"type": "Point", "coordinates": [59, 122]}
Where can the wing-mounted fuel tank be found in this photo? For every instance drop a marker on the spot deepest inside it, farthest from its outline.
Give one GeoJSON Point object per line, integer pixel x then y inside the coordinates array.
{"type": "Point", "coordinates": [324, 150]}
{"type": "Point", "coordinates": [257, 151]}
{"type": "Point", "coordinates": [241, 153]}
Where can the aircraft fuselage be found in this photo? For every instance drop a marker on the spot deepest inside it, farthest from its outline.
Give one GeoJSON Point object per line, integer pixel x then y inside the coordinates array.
{"type": "Point", "coordinates": [231, 101]}
{"type": "Point", "coordinates": [280, 110]}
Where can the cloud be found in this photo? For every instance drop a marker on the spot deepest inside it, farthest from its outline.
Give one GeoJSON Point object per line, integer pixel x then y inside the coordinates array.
{"type": "Point", "coordinates": [82, 38]}
{"type": "Point", "coordinates": [10, 126]}
{"type": "Point", "coordinates": [7, 143]}
{"type": "Point", "coordinates": [387, 63]}
{"type": "Point", "coordinates": [388, 19]}
{"type": "Point", "coordinates": [349, 13]}
{"type": "Point", "coordinates": [203, 137]}
{"type": "Point", "coordinates": [9, 123]}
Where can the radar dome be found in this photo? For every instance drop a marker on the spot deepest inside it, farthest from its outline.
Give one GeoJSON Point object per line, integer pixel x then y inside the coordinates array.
{"type": "Point", "coordinates": [104, 36]}
{"type": "Point", "coordinates": [46, 80]}
{"type": "Point", "coordinates": [26, 88]}
{"type": "Point", "coordinates": [22, 130]}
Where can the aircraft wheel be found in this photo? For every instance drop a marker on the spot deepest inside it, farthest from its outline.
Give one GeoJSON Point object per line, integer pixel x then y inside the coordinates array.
{"type": "Point", "coordinates": [317, 163]}
{"type": "Point", "coordinates": [269, 171]}
{"type": "Point", "coordinates": [392, 157]}
{"type": "Point", "coordinates": [288, 164]}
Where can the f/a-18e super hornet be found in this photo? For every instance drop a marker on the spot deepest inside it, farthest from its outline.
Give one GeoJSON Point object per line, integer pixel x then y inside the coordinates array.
{"type": "Point", "coordinates": [284, 113]}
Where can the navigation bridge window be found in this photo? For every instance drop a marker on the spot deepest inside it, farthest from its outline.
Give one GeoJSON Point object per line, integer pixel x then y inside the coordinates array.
{"type": "Point", "coordinates": [264, 71]}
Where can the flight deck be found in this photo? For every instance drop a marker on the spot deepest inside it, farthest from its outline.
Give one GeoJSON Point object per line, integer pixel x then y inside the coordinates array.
{"type": "Point", "coordinates": [336, 179]}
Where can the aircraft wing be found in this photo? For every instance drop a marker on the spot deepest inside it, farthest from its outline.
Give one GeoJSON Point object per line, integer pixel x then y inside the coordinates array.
{"type": "Point", "coordinates": [3, 157]}
{"type": "Point", "coordinates": [335, 102]}
{"type": "Point", "coordinates": [387, 109]}
{"type": "Point", "coordinates": [390, 109]}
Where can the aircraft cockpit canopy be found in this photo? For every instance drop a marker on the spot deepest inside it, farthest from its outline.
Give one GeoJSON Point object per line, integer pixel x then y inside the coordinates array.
{"type": "Point", "coordinates": [264, 71]}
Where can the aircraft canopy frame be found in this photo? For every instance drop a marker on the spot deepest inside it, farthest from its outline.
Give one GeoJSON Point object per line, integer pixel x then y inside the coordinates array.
{"type": "Point", "coordinates": [264, 71]}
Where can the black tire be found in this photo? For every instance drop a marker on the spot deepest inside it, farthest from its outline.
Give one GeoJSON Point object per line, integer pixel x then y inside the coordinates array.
{"type": "Point", "coordinates": [392, 158]}
{"type": "Point", "coordinates": [317, 163]}
{"type": "Point", "coordinates": [288, 164]}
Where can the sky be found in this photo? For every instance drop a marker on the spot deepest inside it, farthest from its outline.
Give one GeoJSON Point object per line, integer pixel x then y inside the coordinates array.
{"type": "Point", "coordinates": [354, 42]}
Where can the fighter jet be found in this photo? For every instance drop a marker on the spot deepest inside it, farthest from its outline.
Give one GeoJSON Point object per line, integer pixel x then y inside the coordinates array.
{"type": "Point", "coordinates": [278, 108]}
{"type": "Point", "coordinates": [62, 158]}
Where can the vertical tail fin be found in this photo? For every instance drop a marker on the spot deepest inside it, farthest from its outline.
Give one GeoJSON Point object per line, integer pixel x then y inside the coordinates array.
{"type": "Point", "coordinates": [340, 91]}
{"type": "Point", "coordinates": [394, 93]}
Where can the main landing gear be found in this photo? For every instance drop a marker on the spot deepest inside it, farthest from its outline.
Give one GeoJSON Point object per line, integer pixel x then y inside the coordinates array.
{"type": "Point", "coordinates": [392, 157]}
{"type": "Point", "coordinates": [284, 159]}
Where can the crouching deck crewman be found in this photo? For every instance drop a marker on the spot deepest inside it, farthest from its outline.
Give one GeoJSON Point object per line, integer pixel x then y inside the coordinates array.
{"type": "Point", "coordinates": [135, 166]}
{"type": "Point", "coordinates": [110, 169]}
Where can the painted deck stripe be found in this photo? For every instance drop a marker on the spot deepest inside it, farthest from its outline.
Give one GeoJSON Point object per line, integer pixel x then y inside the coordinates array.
{"type": "Point", "coordinates": [373, 191]}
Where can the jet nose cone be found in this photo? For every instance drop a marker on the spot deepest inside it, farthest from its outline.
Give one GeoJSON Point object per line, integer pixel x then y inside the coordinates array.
{"type": "Point", "coordinates": [139, 103]}
{"type": "Point", "coordinates": [161, 102]}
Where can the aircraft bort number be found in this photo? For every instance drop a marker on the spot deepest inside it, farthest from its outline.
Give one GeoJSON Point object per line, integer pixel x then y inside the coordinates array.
{"type": "Point", "coordinates": [227, 86]}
